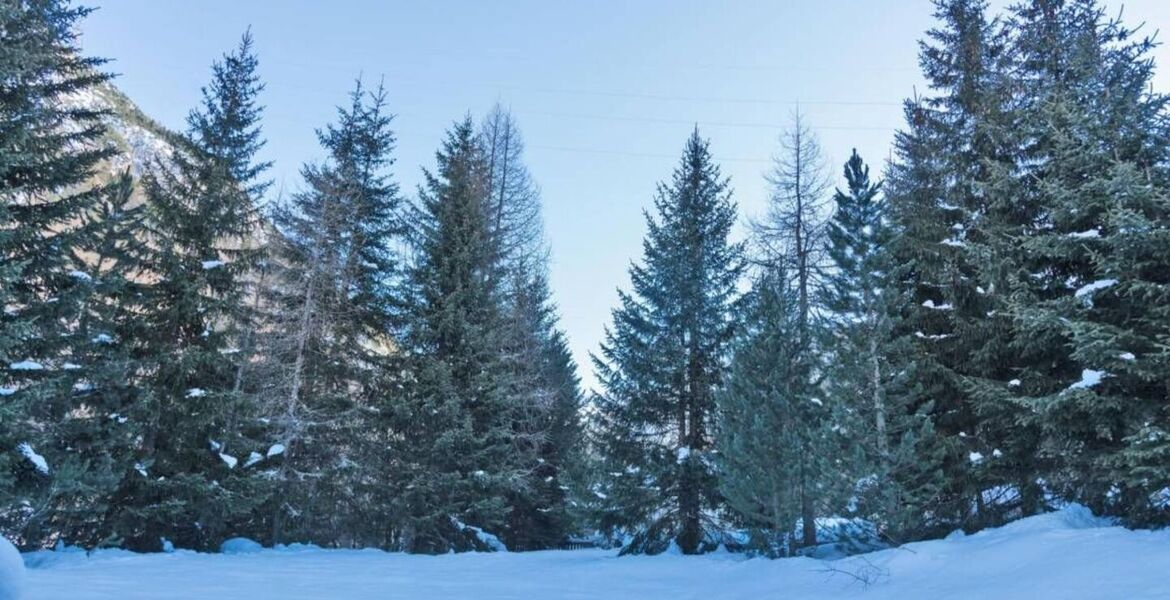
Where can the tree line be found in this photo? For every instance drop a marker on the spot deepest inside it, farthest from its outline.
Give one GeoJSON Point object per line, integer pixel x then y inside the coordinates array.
{"type": "Point", "coordinates": [345, 366]}
{"type": "Point", "coordinates": [980, 336]}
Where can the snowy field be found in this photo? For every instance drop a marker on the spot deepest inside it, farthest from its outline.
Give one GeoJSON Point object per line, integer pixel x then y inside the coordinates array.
{"type": "Point", "coordinates": [1068, 554]}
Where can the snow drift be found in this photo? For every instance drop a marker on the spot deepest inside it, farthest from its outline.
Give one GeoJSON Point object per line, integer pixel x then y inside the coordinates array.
{"type": "Point", "coordinates": [11, 571]}
{"type": "Point", "coordinates": [1067, 554]}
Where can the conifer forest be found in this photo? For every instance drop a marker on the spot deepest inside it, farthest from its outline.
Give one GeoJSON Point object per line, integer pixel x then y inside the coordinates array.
{"type": "Point", "coordinates": [969, 330]}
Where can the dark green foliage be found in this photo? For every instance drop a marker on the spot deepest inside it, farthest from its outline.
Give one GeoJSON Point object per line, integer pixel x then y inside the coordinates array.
{"type": "Point", "coordinates": [326, 342]}
{"type": "Point", "coordinates": [49, 150]}
{"type": "Point", "coordinates": [663, 360]}
{"type": "Point", "coordinates": [461, 455]}
{"type": "Point", "coordinates": [1091, 304]}
{"type": "Point", "coordinates": [775, 436]}
{"type": "Point", "coordinates": [939, 210]}
{"type": "Point", "coordinates": [202, 222]}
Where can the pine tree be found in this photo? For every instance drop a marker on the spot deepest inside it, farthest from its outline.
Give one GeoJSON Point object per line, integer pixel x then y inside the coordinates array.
{"type": "Point", "coordinates": [202, 222]}
{"type": "Point", "coordinates": [774, 439]}
{"type": "Point", "coordinates": [108, 368]}
{"type": "Point", "coordinates": [460, 457]}
{"type": "Point", "coordinates": [543, 376]}
{"type": "Point", "coordinates": [545, 384]}
{"type": "Point", "coordinates": [852, 297]}
{"type": "Point", "coordinates": [1090, 302]}
{"type": "Point", "coordinates": [663, 360]}
{"type": "Point", "coordinates": [48, 152]}
{"type": "Point", "coordinates": [327, 348]}
{"type": "Point", "coordinates": [944, 342]}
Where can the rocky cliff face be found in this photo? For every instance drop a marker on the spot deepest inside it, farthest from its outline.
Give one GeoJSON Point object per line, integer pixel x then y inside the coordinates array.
{"type": "Point", "coordinates": [141, 142]}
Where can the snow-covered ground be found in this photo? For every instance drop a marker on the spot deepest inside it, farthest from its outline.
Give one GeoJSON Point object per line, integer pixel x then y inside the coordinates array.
{"type": "Point", "coordinates": [1067, 554]}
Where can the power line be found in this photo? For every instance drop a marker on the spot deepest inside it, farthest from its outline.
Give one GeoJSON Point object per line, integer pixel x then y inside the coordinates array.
{"type": "Point", "coordinates": [699, 122]}
{"type": "Point", "coordinates": [699, 98]}
{"type": "Point", "coordinates": [638, 154]}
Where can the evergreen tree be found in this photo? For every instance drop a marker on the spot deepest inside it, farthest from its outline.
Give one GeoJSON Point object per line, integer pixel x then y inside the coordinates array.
{"type": "Point", "coordinates": [543, 377]}
{"type": "Point", "coordinates": [894, 472]}
{"type": "Point", "coordinates": [108, 366]}
{"type": "Point", "coordinates": [546, 387]}
{"type": "Point", "coordinates": [774, 439]}
{"type": "Point", "coordinates": [202, 220]}
{"type": "Point", "coordinates": [854, 302]}
{"type": "Point", "coordinates": [461, 457]}
{"type": "Point", "coordinates": [944, 341]}
{"type": "Point", "coordinates": [334, 306]}
{"type": "Point", "coordinates": [663, 360]}
{"type": "Point", "coordinates": [48, 152]}
{"type": "Point", "coordinates": [1090, 302]}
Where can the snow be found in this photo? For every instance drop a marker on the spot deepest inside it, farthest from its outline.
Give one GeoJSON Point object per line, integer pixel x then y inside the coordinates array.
{"type": "Point", "coordinates": [1089, 378]}
{"type": "Point", "coordinates": [931, 305]}
{"type": "Point", "coordinates": [1068, 555]}
{"type": "Point", "coordinates": [80, 275]}
{"type": "Point", "coordinates": [212, 264]}
{"type": "Point", "coordinates": [12, 573]}
{"type": "Point", "coordinates": [975, 458]}
{"type": "Point", "coordinates": [253, 458]}
{"type": "Point", "coordinates": [26, 365]}
{"type": "Point", "coordinates": [229, 460]}
{"type": "Point", "coordinates": [1100, 284]}
{"type": "Point", "coordinates": [275, 449]}
{"type": "Point", "coordinates": [196, 393]}
{"type": "Point", "coordinates": [7, 391]}
{"type": "Point", "coordinates": [489, 540]}
{"type": "Point", "coordinates": [103, 338]}
{"type": "Point", "coordinates": [1127, 356]}
{"type": "Point", "coordinates": [1089, 234]}
{"type": "Point", "coordinates": [37, 460]}
{"type": "Point", "coordinates": [1014, 383]}
{"type": "Point", "coordinates": [240, 545]}
{"type": "Point", "coordinates": [953, 242]}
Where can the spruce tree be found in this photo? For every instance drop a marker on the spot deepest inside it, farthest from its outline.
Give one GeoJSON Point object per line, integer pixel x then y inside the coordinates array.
{"type": "Point", "coordinates": [333, 305]}
{"type": "Point", "coordinates": [109, 368]}
{"type": "Point", "coordinates": [202, 222]}
{"type": "Point", "coordinates": [944, 340]}
{"type": "Point", "coordinates": [775, 442]}
{"type": "Point", "coordinates": [1090, 302]}
{"type": "Point", "coordinates": [460, 456]}
{"type": "Point", "coordinates": [663, 360]}
{"type": "Point", "coordinates": [48, 152]}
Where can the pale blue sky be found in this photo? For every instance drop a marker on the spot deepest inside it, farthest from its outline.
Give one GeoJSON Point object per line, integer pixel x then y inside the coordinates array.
{"type": "Point", "coordinates": [605, 92]}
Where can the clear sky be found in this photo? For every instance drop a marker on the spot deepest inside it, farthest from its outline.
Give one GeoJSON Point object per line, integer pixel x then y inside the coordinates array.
{"type": "Point", "coordinates": [605, 92]}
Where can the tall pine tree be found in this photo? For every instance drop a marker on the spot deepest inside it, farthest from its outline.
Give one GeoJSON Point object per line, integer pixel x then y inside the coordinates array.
{"type": "Point", "coordinates": [460, 456]}
{"type": "Point", "coordinates": [49, 150]}
{"type": "Point", "coordinates": [1090, 302]}
{"type": "Point", "coordinates": [202, 222]}
{"type": "Point", "coordinates": [663, 361]}
{"type": "Point", "coordinates": [334, 303]}
{"type": "Point", "coordinates": [940, 211]}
